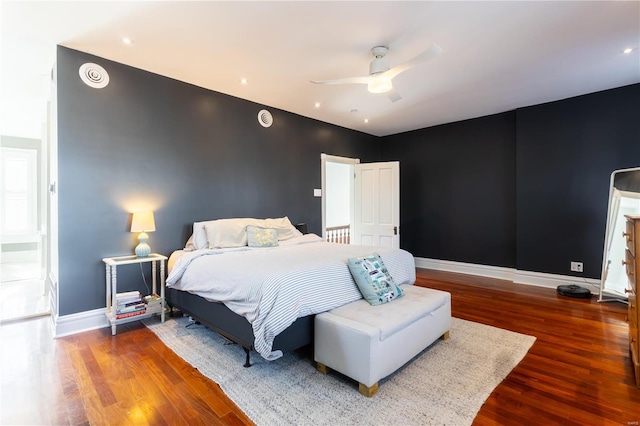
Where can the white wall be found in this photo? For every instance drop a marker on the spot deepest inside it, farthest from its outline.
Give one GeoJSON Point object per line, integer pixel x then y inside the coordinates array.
{"type": "Point", "coordinates": [25, 78]}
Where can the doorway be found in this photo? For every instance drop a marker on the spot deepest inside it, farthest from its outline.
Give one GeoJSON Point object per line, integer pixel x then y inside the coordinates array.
{"type": "Point", "coordinates": [337, 198]}
{"type": "Point", "coordinates": [26, 132]}
{"type": "Point", "coordinates": [23, 293]}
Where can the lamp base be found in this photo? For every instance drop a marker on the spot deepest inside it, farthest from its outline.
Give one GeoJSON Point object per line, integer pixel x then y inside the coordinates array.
{"type": "Point", "coordinates": [143, 249]}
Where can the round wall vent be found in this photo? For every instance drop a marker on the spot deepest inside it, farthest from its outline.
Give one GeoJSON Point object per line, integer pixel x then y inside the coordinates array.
{"type": "Point", "coordinates": [265, 118]}
{"type": "Point", "coordinates": [94, 75]}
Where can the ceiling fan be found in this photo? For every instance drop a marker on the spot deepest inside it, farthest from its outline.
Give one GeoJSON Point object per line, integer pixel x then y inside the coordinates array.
{"type": "Point", "coordinates": [381, 74]}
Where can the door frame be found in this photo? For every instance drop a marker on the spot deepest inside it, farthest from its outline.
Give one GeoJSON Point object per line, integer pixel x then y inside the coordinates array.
{"type": "Point", "coordinates": [324, 158]}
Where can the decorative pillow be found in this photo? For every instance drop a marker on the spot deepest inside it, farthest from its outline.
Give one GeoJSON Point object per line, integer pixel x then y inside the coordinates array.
{"type": "Point", "coordinates": [262, 237]}
{"type": "Point", "coordinates": [373, 279]}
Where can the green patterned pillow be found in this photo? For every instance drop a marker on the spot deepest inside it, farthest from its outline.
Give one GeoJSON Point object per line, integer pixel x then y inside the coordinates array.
{"type": "Point", "coordinates": [373, 279]}
{"type": "Point", "coordinates": [261, 237]}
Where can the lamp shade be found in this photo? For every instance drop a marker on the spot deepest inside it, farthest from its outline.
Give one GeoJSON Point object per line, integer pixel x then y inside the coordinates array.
{"type": "Point", "coordinates": [143, 222]}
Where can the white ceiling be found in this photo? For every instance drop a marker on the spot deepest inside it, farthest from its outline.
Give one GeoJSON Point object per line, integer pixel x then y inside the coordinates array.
{"type": "Point", "coordinates": [497, 55]}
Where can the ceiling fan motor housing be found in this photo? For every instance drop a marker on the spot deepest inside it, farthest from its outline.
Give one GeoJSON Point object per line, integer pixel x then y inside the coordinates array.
{"type": "Point", "coordinates": [380, 62]}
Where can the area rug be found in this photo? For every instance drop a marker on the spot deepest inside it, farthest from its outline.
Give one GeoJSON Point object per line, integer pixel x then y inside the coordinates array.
{"type": "Point", "coordinates": [446, 384]}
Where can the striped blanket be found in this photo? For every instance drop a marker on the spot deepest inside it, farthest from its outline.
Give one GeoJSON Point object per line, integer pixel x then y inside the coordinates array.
{"type": "Point", "coordinates": [272, 287]}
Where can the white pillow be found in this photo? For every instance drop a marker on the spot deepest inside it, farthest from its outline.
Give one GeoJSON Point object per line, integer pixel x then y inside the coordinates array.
{"type": "Point", "coordinates": [189, 246]}
{"type": "Point", "coordinates": [225, 233]}
{"type": "Point", "coordinates": [200, 238]}
{"type": "Point", "coordinates": [283, 227]}
{"type": "Point", "coordinates": [200, 235]}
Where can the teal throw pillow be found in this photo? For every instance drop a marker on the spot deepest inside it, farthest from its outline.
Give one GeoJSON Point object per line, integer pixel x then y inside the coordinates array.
{"type": "Point", "coordinates": [261, 237]}
{"type": "Point", "coordinates": [373, 279]}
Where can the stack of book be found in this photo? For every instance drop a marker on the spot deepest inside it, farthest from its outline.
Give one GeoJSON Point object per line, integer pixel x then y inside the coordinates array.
{"type": "Point", "coordinates": [130, 304]}
{"type": "Point", "coordinates": [154, 303]}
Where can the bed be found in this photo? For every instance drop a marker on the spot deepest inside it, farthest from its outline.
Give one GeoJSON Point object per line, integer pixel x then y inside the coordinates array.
{"type": "Point", "coordinates": [264, 297]}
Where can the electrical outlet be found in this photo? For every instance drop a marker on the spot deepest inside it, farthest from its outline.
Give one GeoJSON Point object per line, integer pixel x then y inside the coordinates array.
{"type": "Point", "coordinates": [576, 266]}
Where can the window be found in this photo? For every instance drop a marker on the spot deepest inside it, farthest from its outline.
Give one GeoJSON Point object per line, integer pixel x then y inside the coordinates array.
{"type": "Point", "coordinates": [18, 186]}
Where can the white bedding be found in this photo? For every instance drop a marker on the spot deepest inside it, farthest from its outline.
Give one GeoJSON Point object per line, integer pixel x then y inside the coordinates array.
{"type": "Point", "coordinates": [272, 287]}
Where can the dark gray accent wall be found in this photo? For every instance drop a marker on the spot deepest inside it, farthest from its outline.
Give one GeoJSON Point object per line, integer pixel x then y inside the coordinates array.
{"type": "Point", "coordinates": [525, 189]}
{"type": "Point", "coordinates": [458, 190]}
{"type": "Point", "coordinates": [566, 152]}
{"type": "Point", "coordinates": [187, 153]}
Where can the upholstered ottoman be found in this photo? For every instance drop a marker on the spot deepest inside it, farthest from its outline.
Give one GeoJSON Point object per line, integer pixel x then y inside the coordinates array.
{"type": "Point", "coordinates": [367, 343]}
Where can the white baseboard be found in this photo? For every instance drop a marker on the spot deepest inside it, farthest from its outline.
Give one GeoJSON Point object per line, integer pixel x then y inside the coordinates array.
{"type": "Point", "coordinates": [539, 279]}
{"type": "Point", "coordinates": [466, 268]}
{"type": "Point", "coordinates": [67, 325]}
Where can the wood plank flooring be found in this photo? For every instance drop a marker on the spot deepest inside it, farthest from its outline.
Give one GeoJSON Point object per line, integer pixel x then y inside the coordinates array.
{"type": "Point", "coordinates": [577, 372]}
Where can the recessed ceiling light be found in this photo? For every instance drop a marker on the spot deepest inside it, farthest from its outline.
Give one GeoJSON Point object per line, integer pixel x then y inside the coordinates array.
{"type": "Point", "coordinates": [317, 105]}
{"type": "Point", "coordinates": [627, 50]}
{"type": "Point", "coordinates": [366, 120]}
{"type": "Point", "coordinates": [243, 81]}
{"type": "Point", "coordinates": [126, 40]}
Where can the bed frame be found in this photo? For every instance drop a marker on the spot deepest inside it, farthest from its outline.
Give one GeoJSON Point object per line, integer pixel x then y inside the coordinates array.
{"type": "Point", "coordinates": [236, 328]}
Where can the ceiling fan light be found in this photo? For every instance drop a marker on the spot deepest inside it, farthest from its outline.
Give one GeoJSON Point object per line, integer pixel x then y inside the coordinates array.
{"type": "Point", "coordinates": [379, 85]}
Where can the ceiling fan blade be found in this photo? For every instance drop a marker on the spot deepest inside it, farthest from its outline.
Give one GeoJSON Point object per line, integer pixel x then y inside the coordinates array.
{"type": "Point", "coordinates": [349, 80]}
{"type": "Point", "coordinates": [393, 95]}
{"type": "Point", "coordinates": [431, 52]}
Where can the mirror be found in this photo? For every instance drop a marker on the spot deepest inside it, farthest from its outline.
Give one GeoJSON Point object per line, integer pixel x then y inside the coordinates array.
{"type": "Point", "coordinates": [624, 199]}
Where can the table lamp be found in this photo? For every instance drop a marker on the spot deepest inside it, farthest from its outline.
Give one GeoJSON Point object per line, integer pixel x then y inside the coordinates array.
{"type": "Point", "coordinates": [143, 222]}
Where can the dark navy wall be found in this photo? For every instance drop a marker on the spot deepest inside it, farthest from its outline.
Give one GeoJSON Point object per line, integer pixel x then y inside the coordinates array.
{"type": "Point", "coordinates": [566, 152]}
{"type": "Point", "coordinates": [525, 189]}
{"type": "Point", "coordinates": [187, 153]}
{"type": "Point", "coordinates": [458, 190]}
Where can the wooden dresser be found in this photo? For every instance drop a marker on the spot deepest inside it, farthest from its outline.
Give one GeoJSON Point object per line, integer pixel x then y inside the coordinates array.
{"type": "Point", "coordinates": [632, 263]}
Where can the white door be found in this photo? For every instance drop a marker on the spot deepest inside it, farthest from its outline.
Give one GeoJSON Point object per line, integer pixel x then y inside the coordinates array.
{"type": "Point", "coordinates": [377, 204]}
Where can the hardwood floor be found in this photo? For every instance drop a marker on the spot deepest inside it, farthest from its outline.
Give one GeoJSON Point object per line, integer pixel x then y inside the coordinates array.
{"type": "Point", "coordinates": [577, 372]}
{"type": "Point", "coordinates": [94, 378]}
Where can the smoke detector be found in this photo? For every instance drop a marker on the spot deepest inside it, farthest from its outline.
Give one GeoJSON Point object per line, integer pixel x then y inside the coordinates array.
{"type": "Point", "coordinates": [93, 75]}
{"type": "Point", "coordinates": [265, 118]}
